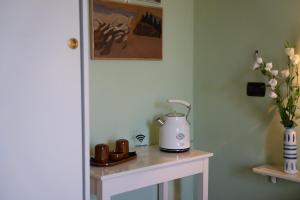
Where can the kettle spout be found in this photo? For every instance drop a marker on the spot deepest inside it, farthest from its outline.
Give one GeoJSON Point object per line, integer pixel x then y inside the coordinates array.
{"type": "Point", "coordinates": [160, 121]}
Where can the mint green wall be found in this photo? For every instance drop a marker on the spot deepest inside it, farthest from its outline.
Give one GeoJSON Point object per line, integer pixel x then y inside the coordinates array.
{"type": "Point", "coordinates": [242, 132]}
{"type": "Point", "coordinates": [127, 95]}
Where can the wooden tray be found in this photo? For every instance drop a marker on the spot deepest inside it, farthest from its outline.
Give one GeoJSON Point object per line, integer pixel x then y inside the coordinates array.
{"type": "Point", "coordinates": [131, 156]}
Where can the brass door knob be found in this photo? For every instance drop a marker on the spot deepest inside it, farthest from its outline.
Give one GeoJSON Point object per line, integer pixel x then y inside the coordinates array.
{"type": "Point", "coordinates": [73, 43]}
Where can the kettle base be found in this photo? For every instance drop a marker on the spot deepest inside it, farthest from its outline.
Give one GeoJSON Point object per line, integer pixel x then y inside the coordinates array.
{"type": "Point", "coordinates": [174, 150]}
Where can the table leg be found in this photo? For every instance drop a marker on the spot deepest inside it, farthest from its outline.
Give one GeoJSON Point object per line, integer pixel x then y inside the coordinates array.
{"type": "Point", "coordinates": [203, 182]}
{"type": "Point", "coordinates": [101, 195]}
{"type": "Point", "coordinates": [163, 191]}
{"type": "Point", "coordinates": [98, 190]}
{"type": "Point", "coordinates": [106, 197]}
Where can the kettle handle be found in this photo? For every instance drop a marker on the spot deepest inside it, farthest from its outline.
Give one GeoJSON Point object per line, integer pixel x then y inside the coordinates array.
{"type": "Point", "coordinates": [178, 101]}
{"type": "Point", "coordinates": [182, 102]}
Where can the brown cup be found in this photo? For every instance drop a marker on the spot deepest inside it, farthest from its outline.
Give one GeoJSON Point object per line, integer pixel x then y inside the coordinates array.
{"type": "Point", "coordinates": [122, 146]}
{"type": "Point", "coordinates": [101, 153]}
{"type": "Point", "coordinates": [116, 156]}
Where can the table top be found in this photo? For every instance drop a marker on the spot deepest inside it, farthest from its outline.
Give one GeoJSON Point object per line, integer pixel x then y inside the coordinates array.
{"type": "Point", "coordinates": [148, 157]}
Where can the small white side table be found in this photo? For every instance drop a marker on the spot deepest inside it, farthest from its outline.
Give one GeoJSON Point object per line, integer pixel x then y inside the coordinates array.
{"type": "Point", "coordinates": [149, 168]}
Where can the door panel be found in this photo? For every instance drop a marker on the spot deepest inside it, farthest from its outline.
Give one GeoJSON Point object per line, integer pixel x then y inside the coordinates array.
{"type": "Point", "coordinates": [40, 104]}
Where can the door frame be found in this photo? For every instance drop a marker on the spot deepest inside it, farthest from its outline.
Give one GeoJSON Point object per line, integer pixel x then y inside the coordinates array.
{"type": "Point", "coordinates": [84, 52]}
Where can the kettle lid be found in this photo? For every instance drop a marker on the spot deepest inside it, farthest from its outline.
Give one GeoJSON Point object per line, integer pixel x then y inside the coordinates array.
{"type": "Point", "coordinates": [175, 114]}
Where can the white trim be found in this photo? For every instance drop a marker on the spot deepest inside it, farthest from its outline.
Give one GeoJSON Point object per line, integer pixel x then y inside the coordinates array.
{"type": "Point", "coordinates": [84, 26]}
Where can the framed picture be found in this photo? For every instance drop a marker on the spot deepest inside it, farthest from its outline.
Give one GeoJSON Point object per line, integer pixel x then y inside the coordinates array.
{"type": "Point", "coordinates": [125, 31]}
{"type": "Point", "coordinates": [151, 1]}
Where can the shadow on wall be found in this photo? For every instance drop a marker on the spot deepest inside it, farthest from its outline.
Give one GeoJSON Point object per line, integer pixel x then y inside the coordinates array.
{"type": "Point", "coordinates": [274, 139]}
{"type": "Point", "coordinates": [269, 125]}
{"type": "Point", "coordinates": [153, 132]}
{"type": "Point", "coordinates": [153, 125]}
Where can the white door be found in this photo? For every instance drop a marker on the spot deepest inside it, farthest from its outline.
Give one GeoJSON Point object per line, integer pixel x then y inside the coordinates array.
{"type": "Point", "coordinates": [40, 101]}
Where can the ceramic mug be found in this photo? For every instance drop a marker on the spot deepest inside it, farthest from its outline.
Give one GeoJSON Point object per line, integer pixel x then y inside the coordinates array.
{"type": "Point", "coordinates": [102, 153]}
{"type": "Point", "coordinates": [122, 146]}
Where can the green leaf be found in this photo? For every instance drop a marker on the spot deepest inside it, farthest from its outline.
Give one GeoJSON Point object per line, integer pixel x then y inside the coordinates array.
{"type": "Point", "coordinates": [287, 44]}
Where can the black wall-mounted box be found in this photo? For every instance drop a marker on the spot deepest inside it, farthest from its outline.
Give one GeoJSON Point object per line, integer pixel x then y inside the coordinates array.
{"type": "Point", "coordinates": [256, 89]}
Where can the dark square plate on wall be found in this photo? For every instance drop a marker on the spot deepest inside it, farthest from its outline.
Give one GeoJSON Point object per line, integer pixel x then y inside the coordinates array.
{"type": "Point", "coordinates": [256, 89]}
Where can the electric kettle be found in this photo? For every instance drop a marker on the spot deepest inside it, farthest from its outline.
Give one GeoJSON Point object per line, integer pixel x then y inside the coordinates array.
{"type": "Point", "coordinates": [174, 132]}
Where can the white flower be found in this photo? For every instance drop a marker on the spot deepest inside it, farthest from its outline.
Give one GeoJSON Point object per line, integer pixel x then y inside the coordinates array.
{"type": "Point", "coordinates": [273, 95]}
{"type": "Point", "coordinates": [269, 66]}
{"type": "Point", "coordinates": [273, 83]}
{"type": "Point", "coordinates": [295, 59]}
{"type": "Point", "coordinates": [289, 51]}
{"type": "Point", "coordinates": [274, 72]}
{"type": "Point", "coordinates": [259, 60]}
{"type": "Point", "coordinates": [285, 73]}
{"type": "Point", "coordinates": [255, 66]}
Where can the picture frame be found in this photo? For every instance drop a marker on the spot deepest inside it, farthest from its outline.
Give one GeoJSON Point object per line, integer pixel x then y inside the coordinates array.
{"type": "Point", "coordinates": [150, 1]}
{"type": "Point", "coordinates": [125, 31]}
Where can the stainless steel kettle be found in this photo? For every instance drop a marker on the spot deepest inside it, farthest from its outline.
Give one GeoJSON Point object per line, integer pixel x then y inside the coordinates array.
{"type": "Point", "coordinates": [174, 132]}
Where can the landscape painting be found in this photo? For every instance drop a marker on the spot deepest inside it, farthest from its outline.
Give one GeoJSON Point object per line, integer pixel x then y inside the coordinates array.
{"type": "Point", "coordinates": [151, 1]}
{"type": "Point", "coordinates": [126, 31]}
